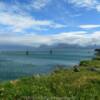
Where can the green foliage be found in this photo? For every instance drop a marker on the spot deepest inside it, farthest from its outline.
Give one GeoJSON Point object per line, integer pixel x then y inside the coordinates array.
{"type": "Point", "coordinates": [97, 58]}
{"type": "Point", "coordinates": [83, 85]}
{"type": "Point", "coordinates": [97, 51]}
{"type": "Point", "coordinates": [90, 63]}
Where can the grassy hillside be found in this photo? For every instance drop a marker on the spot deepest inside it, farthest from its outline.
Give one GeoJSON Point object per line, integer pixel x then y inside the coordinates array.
{"type": "Point", "coordinates": [62, 84]}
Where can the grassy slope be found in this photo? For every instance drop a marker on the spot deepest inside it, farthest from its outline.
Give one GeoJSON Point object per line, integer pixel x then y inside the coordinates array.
{"type": "Point", "coordinates": [83, 85]}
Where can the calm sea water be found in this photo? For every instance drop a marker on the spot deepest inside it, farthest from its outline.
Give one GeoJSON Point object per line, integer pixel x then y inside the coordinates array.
{"type": "Point", "coordinates": [15, 64]}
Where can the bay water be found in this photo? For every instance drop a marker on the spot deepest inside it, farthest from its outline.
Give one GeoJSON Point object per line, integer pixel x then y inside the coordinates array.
{"type": "Point", "coordinates": [16, 64]}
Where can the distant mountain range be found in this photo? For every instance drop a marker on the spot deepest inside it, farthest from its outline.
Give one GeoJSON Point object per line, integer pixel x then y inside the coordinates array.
{"type": "Point", "coordinates": [41, 47]}
{"type": "Point", "coordinates": [62, 45]}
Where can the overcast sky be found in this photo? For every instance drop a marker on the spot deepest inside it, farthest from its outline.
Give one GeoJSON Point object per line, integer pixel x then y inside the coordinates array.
{"type": "Point", "coordinates": [35, 22]}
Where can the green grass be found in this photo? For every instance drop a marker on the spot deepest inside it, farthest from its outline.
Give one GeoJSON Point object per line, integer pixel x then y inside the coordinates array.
{"type": "Point", "coordinates": [83, 85]}
{"type": "Point", "coordinates": [91, 63]}
{"type": "Point", "coordinates": [62, 84]}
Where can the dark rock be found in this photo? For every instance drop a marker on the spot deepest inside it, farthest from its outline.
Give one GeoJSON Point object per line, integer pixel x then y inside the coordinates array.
{"type": "Point", "coordinates": [76, 68]}
{"type": "Point", "coordinates": [95, 69]}
{"type": "Point", "coordinates": [92, 69]}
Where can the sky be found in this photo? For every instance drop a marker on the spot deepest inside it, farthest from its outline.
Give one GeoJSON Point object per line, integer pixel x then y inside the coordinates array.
{"type": "Point", "coordinates": [36, 22]}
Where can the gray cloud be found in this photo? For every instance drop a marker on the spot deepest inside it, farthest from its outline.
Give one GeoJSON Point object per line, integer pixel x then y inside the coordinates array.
{"type": "Point", "coordinates": [79, 37]}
